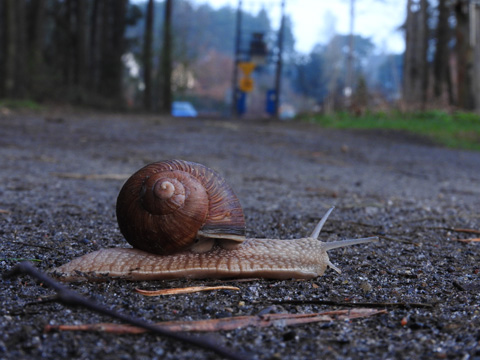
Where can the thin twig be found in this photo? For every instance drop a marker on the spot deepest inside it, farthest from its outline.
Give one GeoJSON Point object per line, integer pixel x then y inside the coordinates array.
{"type": "Point", "coordinates": [19, 259]}
{"type": "Point", "coordinates": [470, 231]}
{"type": "Point", "coordinates": [24, 243]}
{"type": "Point", "coordinates": [237, 280]}
{"type": "Point", "coordinates": [467, 240]}
{"type": "Point", "coordinates": [360, 223]}
{"type": "Point", "coordinates": [71, 298]}
{"type": "Point", "coordinates": [399, 240]}
{"type": "Point", "coordinates": [91, 176]}
{"type": "Point", "coordinates": [353, 304]}
{"type": "Point", "coordinates": [187, 290]}
{"type": "Point", "coordinates": [231, 323]}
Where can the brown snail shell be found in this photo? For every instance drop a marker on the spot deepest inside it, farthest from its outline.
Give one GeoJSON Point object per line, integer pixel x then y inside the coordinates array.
{"type": "Point", "coordinates": [175, 205]}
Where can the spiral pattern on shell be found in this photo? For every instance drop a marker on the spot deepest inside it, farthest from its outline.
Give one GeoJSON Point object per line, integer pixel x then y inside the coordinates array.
{"type": "Point", "coordinates": [166, 206]}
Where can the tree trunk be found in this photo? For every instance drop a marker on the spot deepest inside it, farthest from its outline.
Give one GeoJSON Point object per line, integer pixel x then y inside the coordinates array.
{"type": "Point", "coordinates": [21, 53]}
{"type": "Point", "coordinates": [147, 57]}
{"type": "Point", "coordinates": [81, 45]}
{"type": "Point", "coordinates": [8, 49]}
{"type": "Point", "coordinates": [409, 71]}
{"type": "Point", "coordinates": [119, 24]}
{"type": "Point", "coordinates": [37, 78]}
{"type": "Point", "coordinates": [2, 48]}
{"type": "Point", "coordinates": [415, 62]}
{"type": "Point", "coordinates": [166, 60]}
{"type": "Point", "coordinates": [105, 55]}
{"type": "Point", "coordinates": [476, 57]}
{"type": "Point", "coordinates": [93, 51]}
{"type": "Point", "coordinates": [464, 56]}
{"type": "Point", "coordinates": [14, 49]}
{"type": "Point", "coordinates": [440, 65]}
{"type": "Point", "coordinates": [67, 49]}
{"type": "Point", "coordinates": [112, 44]}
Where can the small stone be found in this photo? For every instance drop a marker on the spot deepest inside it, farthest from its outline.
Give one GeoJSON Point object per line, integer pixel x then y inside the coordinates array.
{"type": "Point", "coordinates": [365, 286]}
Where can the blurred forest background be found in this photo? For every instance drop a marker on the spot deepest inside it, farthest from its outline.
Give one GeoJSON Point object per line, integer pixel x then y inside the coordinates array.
{"type": "Point", "coordinates": [141, 55]}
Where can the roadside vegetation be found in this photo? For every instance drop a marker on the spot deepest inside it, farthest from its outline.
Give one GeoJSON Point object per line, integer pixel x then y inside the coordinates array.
{"type": "Point", "coordinates": [456, 130]}
{"type": "Point", "coordinates": [19, 104]}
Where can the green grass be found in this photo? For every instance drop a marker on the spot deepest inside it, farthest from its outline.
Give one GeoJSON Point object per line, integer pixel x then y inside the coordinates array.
{"type": "Point", "coordinates": [456, 130]}
{"type": "Point", "coordinates": [20, 104]}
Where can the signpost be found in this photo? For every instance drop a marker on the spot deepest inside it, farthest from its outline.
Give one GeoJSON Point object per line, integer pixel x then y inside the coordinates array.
{"type": "Point", "coordinates": [246, 82]}
{"type": "Point", "coordinates": [246, 60]}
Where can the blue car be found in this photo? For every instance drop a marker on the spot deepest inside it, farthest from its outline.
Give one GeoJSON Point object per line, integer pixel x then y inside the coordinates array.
{"type": "Point", "coordinates": [183, 109]}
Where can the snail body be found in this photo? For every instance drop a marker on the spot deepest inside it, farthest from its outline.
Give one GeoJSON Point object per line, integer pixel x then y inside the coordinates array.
{"type": "Point", "coordinates": [208, 238]}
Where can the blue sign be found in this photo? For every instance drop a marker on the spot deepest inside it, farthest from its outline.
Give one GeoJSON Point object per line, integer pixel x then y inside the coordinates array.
{"type": "Point", "coordinates": [271, 101]}
{"type": "Point", "coordinates": [241, 102]}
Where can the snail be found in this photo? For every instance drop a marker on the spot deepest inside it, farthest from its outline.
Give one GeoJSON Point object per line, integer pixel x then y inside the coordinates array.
{"type": "Point", "coordinates": [184, 220]}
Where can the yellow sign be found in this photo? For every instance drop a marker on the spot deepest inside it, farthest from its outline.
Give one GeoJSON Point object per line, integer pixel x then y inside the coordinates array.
{"type": "Point", "coordinates": [246, 84]}
{"type": "Point", "coordinates": [246, 67]}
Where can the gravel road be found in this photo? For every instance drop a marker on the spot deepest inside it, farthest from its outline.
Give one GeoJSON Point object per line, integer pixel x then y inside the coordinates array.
{"type": "Point", "coordinates": [61, 173]}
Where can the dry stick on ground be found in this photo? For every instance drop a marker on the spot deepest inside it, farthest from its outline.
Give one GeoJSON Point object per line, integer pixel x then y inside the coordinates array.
{"type": "Point", "coordinates": [19, 259]}
{"type": "Point", "coordinates": [186, 290]}
{"type": "Point", "coordinates": [24, 243]}
{"type": "Point", "coordinates": [71, 298]}
{"type": "Point", "coordinates": [470, 231]}
{"type": "Point", "coordinates": [91, 176]}
{"type": "Point", "coordinates": [468, 240]}
{"type": "Point", "coordinates": [399, 240]}
{"type": "Point", "coordinates": [225, 324]}
{"type": "Point", "coordinates": [352, 304]}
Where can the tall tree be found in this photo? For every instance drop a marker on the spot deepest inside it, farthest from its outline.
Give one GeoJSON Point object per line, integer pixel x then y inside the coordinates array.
{"type": "Point", "coordinates": [476, 57]}
{"type": "Point", "coordinates": [21, 49]}
{"type": "Point", "coordinates": [440, 61]}
{"type": "Point", "coordinates": [147, 56]}
{"type": "Point", "coordinates": [67, 46]}
{"type": "Point", "coordinates": [81, 44]}
{"type": "Point", "coordinates": [113, 47]}
{"type": "Point", "coordinates": [2, 48]}
{"type": "Point", "coordinates": [7, 78]}
{"type": "Point", "coordinates": [166, 60]}
{"type": "Point", "coordinates": [464, 54]}
{"type": "Point", "coordinates": [93, 46]}
{"type": "Point", "coordinates": [415, 64]}
{"type": "Point", "coordinates": [13, 77]}
{"type": "Point", "coordinates": [36, 34]}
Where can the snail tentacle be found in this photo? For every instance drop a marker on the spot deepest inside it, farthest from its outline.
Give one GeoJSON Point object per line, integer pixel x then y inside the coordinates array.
{"type": "Point", "coordinates": [318, 228]}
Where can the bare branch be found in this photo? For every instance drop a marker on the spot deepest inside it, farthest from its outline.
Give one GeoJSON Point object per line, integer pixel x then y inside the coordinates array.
{"type": "Point", "coordinates": [71, 298]}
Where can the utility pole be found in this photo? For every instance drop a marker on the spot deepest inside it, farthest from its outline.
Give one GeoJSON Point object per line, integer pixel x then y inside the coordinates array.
{"type": "Point", "coordinates": [348, 92]}
{"type": "Point", "coordinates": [147, 57]}
{"type": "Point", "coordinates": [238, 34]}
{"type": "Point", "coordinates": [167, 59]}
{"type": "Point", "coordinates": [278, 72]}
{"type": "Point", "coordinates": [475, 44]}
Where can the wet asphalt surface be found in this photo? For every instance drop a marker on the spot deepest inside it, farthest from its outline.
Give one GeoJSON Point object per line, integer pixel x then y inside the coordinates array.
{"type": "Point", "coordinates": [54, 207]}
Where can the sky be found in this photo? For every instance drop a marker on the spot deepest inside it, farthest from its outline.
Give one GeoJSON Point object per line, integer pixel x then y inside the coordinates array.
{"type": "Point", "coordinates": [315, 21]}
